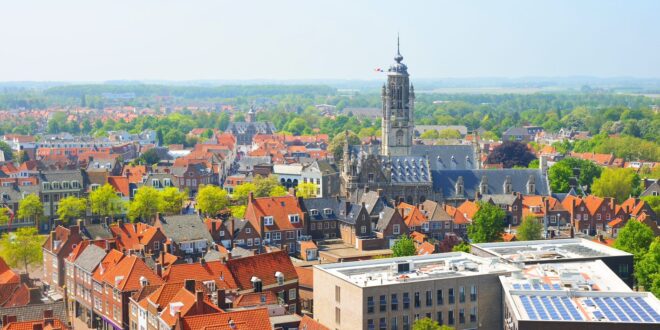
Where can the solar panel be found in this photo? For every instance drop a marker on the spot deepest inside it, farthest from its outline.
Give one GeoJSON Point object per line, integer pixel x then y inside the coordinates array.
{"type": "Point", "coordinates": [551, 309]}
{"type": "Point", "coordinates": [556, 286]}
{"type": "Point", "coordinates": [626, 308]}
{"type": "Point", "coordinates": [546, 287]}
{"type": "Point", "coordinates": [572, 309]}
{"type": "Point", "coordinates": [598, 315]}
{"type": "Point", "coordinates": [526, 286]}
{"type": "Point", "coordinates": [608, 313]}
{"type": "Point", "coordinates": [643, 312]}
{"type": "Point", "coordinates": [537, 287]}
{"type": "Point", "coordinates": [616, 309]}
{"type": "Point", "coordinates": [560, 307]}
{"type": "Point", "coordinates": [650, 310]}
{"type": "Point", "coordinates": [528, 307]}
{"type": "Point", "coordinates": [539, 308]}
{"type": "Point", "coordinates": [516, 286]}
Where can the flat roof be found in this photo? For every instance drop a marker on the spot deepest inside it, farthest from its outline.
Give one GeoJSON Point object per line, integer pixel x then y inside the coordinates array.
{"type": "Point", "coordinates": [392, 271]}
{"type": "Point", "coordinates": [576, 292]}
{"type": "Point", "coordinates": [557, 249]}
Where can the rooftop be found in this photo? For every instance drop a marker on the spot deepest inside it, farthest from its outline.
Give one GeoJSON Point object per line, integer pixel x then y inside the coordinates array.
{"type": "Point", "coordinates": [576, 248]}
{"type": "Point", "coordinates": [576, 291]}
{"type": "Point", "coordinates": [379, 272]}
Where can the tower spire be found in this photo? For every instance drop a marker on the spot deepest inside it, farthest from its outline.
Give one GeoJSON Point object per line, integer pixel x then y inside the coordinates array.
{"type": "Point", "coordinates": [398, 58]}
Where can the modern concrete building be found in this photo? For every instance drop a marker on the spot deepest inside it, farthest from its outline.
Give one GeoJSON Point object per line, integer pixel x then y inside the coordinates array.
{"type": "Point", "coordinates": [559, 250]}
{"type": "Point", "coordinates": [457, 289]}
{"type": "Point", "coordinates": [575, 295]}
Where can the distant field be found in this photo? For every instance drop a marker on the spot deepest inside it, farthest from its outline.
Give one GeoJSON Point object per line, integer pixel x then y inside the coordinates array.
{"type": "Point", "coordinates": [496, 90]}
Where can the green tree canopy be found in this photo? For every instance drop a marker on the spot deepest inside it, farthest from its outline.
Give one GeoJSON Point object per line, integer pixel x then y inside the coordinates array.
{"type": "Point", "coordinates": [336, 146]}
{"type": "Point", "coordinates": [265, 185]}
{"type": "Point", "coordinates": [306, 190]}
{"type": "Point", "coordinates": [404, 246]}
{"type": "Point", "coordinates": [510, 154]}
{"type": "Point", "coordinates": [211, 200]}
{"type": "Point", "coordinates": [429, 324]}
{"type": "Point", "coordinates": [430, 134]}
{"type": "Point", "coordinates": [530, 229]}
{"type": "Point", "coordinates": [4, 216]}
{"type": "Point", "coordinates": [71, 207]}
{"type": "Point", "coordinates": [21, 248]}
{"type": "Point", "coordinates": [561, 172]}
{"type": "Point", "coordinates": [242, 191]}
{"type": "Point", "coordinates": [487, 224]}
{"type": "Point", "coordinates": [30, 207]}
{"type": "Point", "coordinates": [171, 200]}
{"type": "Point", "coordinates": [449, 133]}
{"type": "Point", "coordinates": [105, 202]}
{"type": "Point", "coordinates": [648, 268]}
{"type": "Point", "coordinates": [619, 183]}
{"type": "Point", "coordinates": [461, 247]}
{"type": "Point", "coordinates": [635, 237]}
{"type": "Point", "coordinates": [150, 157]}
{"type": "Point", "coordinates": [146, 203]}
{"type": "Point", "coordinates": [6, 149]}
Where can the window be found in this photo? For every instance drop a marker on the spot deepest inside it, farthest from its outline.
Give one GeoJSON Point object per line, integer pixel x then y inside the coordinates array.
{"type": "Point", "coordinates": [429, 298]}
{"type": "Point", "coordinates": [623, 270]}
{"type": "Point", "coordinates": [327, 211]}
{"type": "Point", "coordinates": [461, 294]}
{"type": "Point", "coordinates": [417, 300]}
{"type": "Point", "coordinates": [406, 322]}
{"type": "Point", "coordinates": [382, 324]}
{"type": "Point", "coordinates": [277, 236]}
{"type": "Point", "coordinates": [394, 325]}
{"type": "Point", "coordinates": [292, 294]}
{"type": "Point", "coordinates": [337, 294]}
{"type": "Point", "coordinates": [396, 229]}
{"type": "Point", "coordinates": [394, 300]}
{"type": "Point", "coordinates": [257, 241]}
{"type": "Point", "coordinates": [473, 314]}
{"type": "Point", "coordinates": [326, 225]}
{"type": "Point", "coordinates": [450, 317]}
{"type": "Point", "coordinates": [363, 229]}
{"type": "Point", "coordinates": [370, 305]}
{"type": "Point", "coordinates": [294, 218]}
{"type": "Point", "coordinates": [461, 315]}
{"type": "Point", "coordinates": [249, 242]}
{"type": "Point", "coordinates": [439, 297]}
{"type": "Point", "coordinates": [156, 245]}
{"type": "Point", "coordinates": [371, 177]}
{"type": "Point", "coordinates": [598, 217]}
{"type": "Point", "coordinates": [313, 226]}
{"type": "Point", "coordinates": [383, 303]}
{"type": "Point", "coordinates": [451, 295]}
{"type": "Point", "coordinates": [447, 225]}
{"type": "Point", "coordinates": [268, 221]}
{"type": "Point", "coordinates": [440, 321]}
{"type": "Point", "coordinates": [289, 235]}
{"type": "Point", "coordinates": [333, 225]}
{"type": "Point", "coordinates": [267, 236]}
{"type": "Point", "coordinates": [314, 212]}
{"type": "Point", "coordinates": [370, 324]}
{"type": "Point", "coordinates": [473, 293]}
{"type": "Point", "coordinates": [406, 300]}
{"type": "Point", "coordinates": [337, 315]}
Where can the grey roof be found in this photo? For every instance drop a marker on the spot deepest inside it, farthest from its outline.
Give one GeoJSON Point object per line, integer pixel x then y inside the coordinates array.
{"type": "Point", "coordinates": [246, 164]}
{"type": "Point", "coordinates": [364, 112]}
{"type": "Point", "coordinates": [384, 218]}
{"type": "Point", "coordinates": [409, 170]}
{"type": "Point", "coordinates": [321, 204]}
{"type": "Point", "coordinates": [193, 167]}
{"type": "Point", "coordinates": [351, 214]}
{"type": "Point", "coordinates": [96, 231]}
{"type": "Point", "coordinates": [258, 127]}
{"type": "Point", "coordinates": [500, 199]}
{"type": "Point", "coordinates": [445, 181]}
{"type": "Point", "coordinates": [36, 312]}
{"type": "Point", "coordinates": [446, 157]}
{"type": "Point", "coordinates": [90, 258]}
{"type": "Point", "coordinates": [516, 131]}
{"type": "Point", "coordinates": [434, 211]}
{"type": "Point", "coordinates": [14, 194]}
{"type": "Point", "coordinates": [653, 188]}
{"type": "Point", "coordinates": [213, 255]}
{"type": "Point", "coordinates": [57, 176]}
{"type": "Point", "coordinates": [373, 202]}
{"type": "Point", "coordinates": [185, 227]}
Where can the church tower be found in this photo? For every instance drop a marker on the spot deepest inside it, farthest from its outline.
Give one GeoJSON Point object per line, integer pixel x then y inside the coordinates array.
{"type": "Point", "coordinates": [398, 107]}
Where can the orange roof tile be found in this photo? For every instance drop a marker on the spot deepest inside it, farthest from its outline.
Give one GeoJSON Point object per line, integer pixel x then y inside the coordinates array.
{"type": "Point", "coordinates": [264, 266]}
{"type": "Point", "coordinates": [126, 275]}
{"type": "Point", "coordinates": [254, 299]}
{"type": "Point", "coordinates": [279, 208]}
{"type": "Point", "coordinates": [120, 183]}
{"type": "Point", "coordinates": [209, 271]}
{"type": "Point", "coordinates": [469, 209]}
{"type": "Point", "coordinates": [308, 323]}
{"type": "Point", "coordinates": [305, 276]}
{"type": "Point", "coordinates": [6, 274]}
{"type": "Point", "coordinates": [250, 319]}
{"type": "Point", "coordinates": [425, 248]}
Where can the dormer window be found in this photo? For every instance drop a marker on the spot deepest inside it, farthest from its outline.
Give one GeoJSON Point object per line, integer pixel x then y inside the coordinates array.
{"type": "Point", "coordinates": [327, 211]}
{"type": "Point", "coordinates": [268, 221]}
{"type": "Point", "coordinates": [65, 185]}
{"type": "Point", "coordinates": [280, 278]}
{"type": "Point", "coordinates": [56, 185]}
{"type": "Point", "coordinates": [94, 186]}
{"type": "Point", "coordinates": [294, 218]}
{"type": "Point", "coordinates": [167, 182]}
{"type": "Point", "coordinates": [46, 185]}
{"type": "Point", "coordinates": [314, 212]}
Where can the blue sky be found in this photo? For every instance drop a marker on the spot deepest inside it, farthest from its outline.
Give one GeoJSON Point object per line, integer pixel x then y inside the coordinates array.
{"type": "Point", "coordinates": [197, 39]}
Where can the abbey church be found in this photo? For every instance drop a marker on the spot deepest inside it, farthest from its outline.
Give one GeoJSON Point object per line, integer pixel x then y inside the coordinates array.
{"type": "Point", "coordinates": [413, 173]}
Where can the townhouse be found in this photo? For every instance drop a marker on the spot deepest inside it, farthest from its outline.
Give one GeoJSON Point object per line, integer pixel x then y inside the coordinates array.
{"type": "Point", "coordinates": [187, 235]}
{"type": "Point", "coordinates": [278, 220]}
{"type": "Point", "coordinates": [80, 266]}
{"type": "Point", "coordinates": [59, 244]}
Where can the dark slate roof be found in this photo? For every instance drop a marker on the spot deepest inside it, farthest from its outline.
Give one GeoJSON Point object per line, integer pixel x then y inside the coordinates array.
{"type": "Point", "coordinates": [246, 164]}
{"type": "Point", "coordinates": [183, 228]}
{"type": "Point", "coordinates": [384, 218]}
{"type": "Point", "coordinates": [14, 194]}
{"type": "Point", "coordinates": [445, 157]}
{"type": "Point", "coordinates": [96, 231]}
{"type": "Point", "coordinates": [351, 214]}
{"type": "Point", "coordinates": [516, 131]}
{"type": "Point", "coordinates": [259, 127]}
{"type": "Point", "coordinates": [507, 199]}
{"type": "Point", "coordinates": [445, 181]}
{"type": "Point", "coordinates": [321, 204]}
{"type": "Point", "coordinates": [58, 176]}
{"type": "Point", "coordinates": [373, 202]}
{"type": "Point", "coordinates": [36, 312]}
{"type": "Point", "coordinates": [90, 258]}
{"type": "Point", "coordinates": [409, 170]}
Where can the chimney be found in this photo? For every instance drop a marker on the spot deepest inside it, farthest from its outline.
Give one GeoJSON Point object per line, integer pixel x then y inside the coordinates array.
{"type": "Point", "coordinates": [221, 299]}
{"type": "Point", "coordinates": [52, 240]}
{"type": "Point", "coordinates": [366, 189]}
{"type": "Point", "coordinates": [199, 302]}
{"type": "Point", "coordinates": [250, 198]}
{"type": "Point", "coordinates": [80, 223]}
{"type": "Point", "coordinates": [189, 285]}
{"type": "Point", "coordinates": [37, 326]}
{"type": "Point", "coordinates": [380, 192]}
{"type": "Point", "coordinates": [120, 222]}
{"type": "Point", "coordinates": [202, 261]}
{"type": "Point", "coordinates": [35, 295]}
{"type": "Point", "coordinates": [159, 270]}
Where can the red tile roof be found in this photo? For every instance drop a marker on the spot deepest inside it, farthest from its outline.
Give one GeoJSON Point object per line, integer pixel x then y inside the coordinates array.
{"type": "Point", "coordinates": [184, 303]}
{"type": "Point", "coordinates": [279, 208]}
{"type": "Point", "coordinates": [468, 209]}
{"type": "Point", "coordinates": [111, 260]}
{"type": "Point", "coordinates": [120, 183]}
{"type": "Point", "coordinates": [254, 299]}
{"type": "Point", "coordinates": [55, 324]}
{"type": "Point", "coordinates": [264, 266]}
{"type": "Point", "coordinates": [126, 275]}
{"type": "Point", "coordinates": [308, 323]}
{"type": "Point", "coordinates": [412, 216]}
{"type": "Point", "coordinates": [305, 276]}
{"type": "Point", "coordinates": [425, 248]}
{"type": "Point", "coordinates": [251, 319]}
{"type": "Point", "coordinates": [6, 274]}
{"type": "Point", "coordinates": [209, 271]}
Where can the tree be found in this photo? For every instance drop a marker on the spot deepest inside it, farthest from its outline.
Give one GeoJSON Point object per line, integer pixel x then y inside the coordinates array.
{"type": "Point", "coordinates": [428, 324]}
{"type": "Point", "coordinates": [561, 172]}
{"type": "Point", "coordinates": [21, 248]}
{"type": "Point", "coordinates": [449, 133]}
{"type": "Point", "coordinates": [30, 207]}
{"type": "Point", "coordinates": [105, 202]}
{"type": "Point", "coordinates": [635, 237]}
{"type": "Point", "coordinates": [306, 190]}
{"type": "Point", "coordinates": [71, 207]}
{"type": "Point", "coordinates": [487, 224]}
{"type": "Point", "coordinates": [336, 146]}
{"type": "Point", "coordinates": [430, 134]}
{"type": "Point", "coordinates": [150, 157]}
{"type": "Point", "coordinates": [4, 216]}
{"type": "Point", "coordinates": [212, 199]}
{"type": "Point", "coordinates": [616, 182]}
{"type": "Point", "coordinates": [159, 136]}
{"type": "Point", "coordinates": [265, 185]}
{"type": "Point", "coordinates": [648, 267]}
{"type": "Point", "coordinates": [510, 154]}
{"type": "Point", "coordinates": [242, 191]}
{"type": "Point", "coordinates": [174, 136]}
{"type": "Point", "coordinates": [146, 203]}
{"type": "Point", "coordinates": [278, 191]}
{"type": "Point", "coordinates": [530, 229]}
{"type": "Point", "coordinates": [171, 200]}
{"type": "Point", "coordinates": [6, 149]}
{"type": "Point", "coordinates": [461, 247]}
{"type": "Point", "coordinates": [238, 211]}
{"type": "Point", "coordinates": [403, 247]}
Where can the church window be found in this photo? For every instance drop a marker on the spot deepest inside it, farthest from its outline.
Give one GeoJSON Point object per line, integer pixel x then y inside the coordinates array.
{"type": "Point", "coordinates": [399, 137]}
{"type": "Point", "coordinates": [371, 177]}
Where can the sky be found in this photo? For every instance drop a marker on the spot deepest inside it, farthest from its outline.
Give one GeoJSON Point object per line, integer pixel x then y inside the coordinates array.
{"type": "Point", "coordinates": [83, 40]}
